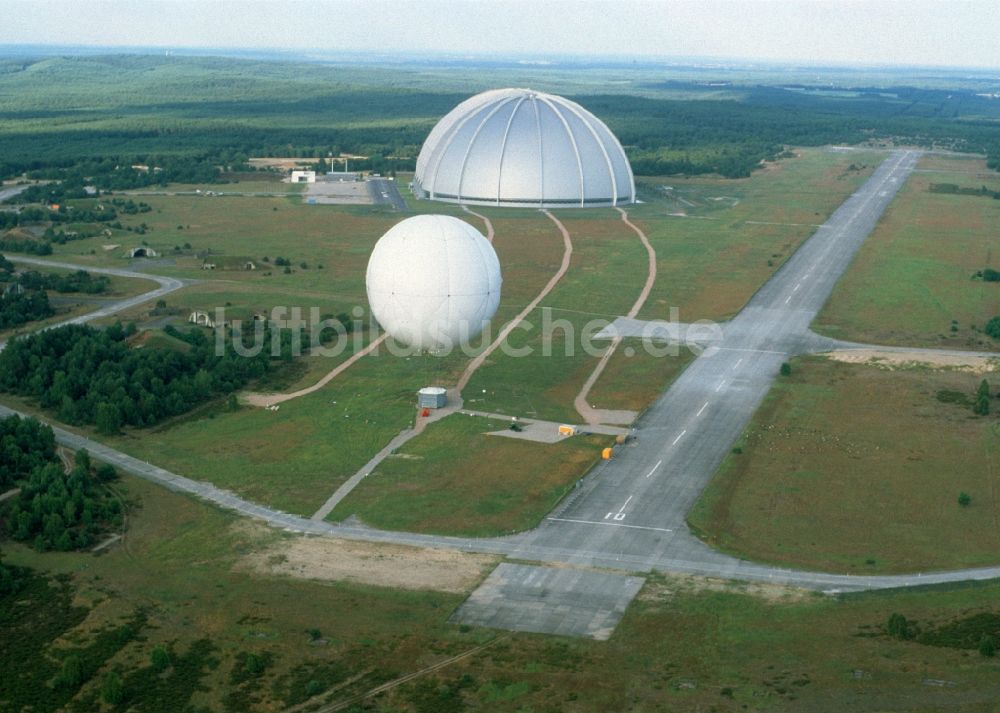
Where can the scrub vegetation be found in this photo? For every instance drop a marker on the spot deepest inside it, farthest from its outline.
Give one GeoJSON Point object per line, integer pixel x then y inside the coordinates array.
{"type": "Point", "coordinates": [170, 620]}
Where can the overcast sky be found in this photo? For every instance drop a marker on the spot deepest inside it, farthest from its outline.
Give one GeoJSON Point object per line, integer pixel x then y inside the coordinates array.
{"type": "Point", "coordinates": [933, 32]}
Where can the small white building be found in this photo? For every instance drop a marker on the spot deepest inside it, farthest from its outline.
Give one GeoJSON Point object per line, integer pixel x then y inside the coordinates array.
{"type": "Point", "coordinates": [432, 397]}
{"type": "Point", "coordinates": [303, 177]}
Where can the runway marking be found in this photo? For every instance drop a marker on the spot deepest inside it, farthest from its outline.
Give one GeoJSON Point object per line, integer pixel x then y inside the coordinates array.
{"type": "Point", "coordinates": [609, 524]}
{"type": "Point", "coordinates": [796, 288]}
{"type": "Point", "coordinates": [620, 515]}
{"type": "Point", "coordinates": [679, 436]}
{"type": "Point", "coordinates": [721, 384]}
{"type": "Point", "coordinates": [738, 362]}
{"type": "Point", "coordinates": [788, 299]}
{"type": "Point", "coordinates": [655, 468]}
{"type": "Point", "coordinates": [745, 349]}
{"type": "Point", "coordinates": [701, 409]}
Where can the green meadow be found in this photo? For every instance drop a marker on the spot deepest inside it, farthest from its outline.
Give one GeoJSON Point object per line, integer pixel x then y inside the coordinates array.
{"type": "Point", "coordinates": [912, 283]}
{"type": "Point", "coordinates": [858, 468]}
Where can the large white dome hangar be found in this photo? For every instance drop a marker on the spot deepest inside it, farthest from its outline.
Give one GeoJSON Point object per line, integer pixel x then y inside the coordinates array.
{"type": "Point", "coordinates": [433, 282]}
{"type": "Point", "coordinates": [518, 147]}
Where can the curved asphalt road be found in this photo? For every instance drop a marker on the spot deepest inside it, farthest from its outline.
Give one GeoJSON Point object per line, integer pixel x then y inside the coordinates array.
{"type": "Point", "coordinates": [166, 286]}
{"type": "Point", "coordinates": [629, 512]}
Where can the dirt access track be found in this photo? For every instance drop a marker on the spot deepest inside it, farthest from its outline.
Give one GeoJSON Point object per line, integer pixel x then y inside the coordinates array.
{"type": "Point", "coordinates": [383, 565]}
{"type": "Point", "coordinates": [969, 361]}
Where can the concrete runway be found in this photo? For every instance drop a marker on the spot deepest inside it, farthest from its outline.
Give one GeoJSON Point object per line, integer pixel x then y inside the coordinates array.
{"type": "Point", "coordinates": [628, 513]}
{"type": "Point", "coordinates": [634, 506]}
{"type": "Point", "coordinates": [379, 186]}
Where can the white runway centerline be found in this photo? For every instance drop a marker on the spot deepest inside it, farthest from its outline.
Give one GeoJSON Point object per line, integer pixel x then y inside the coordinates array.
{"type": "Point", "coordinates": [679, 436]}
{"type": "Point", "coordinates": [655, 468]}
{"type": "Point", "coordinates": [702, 409]}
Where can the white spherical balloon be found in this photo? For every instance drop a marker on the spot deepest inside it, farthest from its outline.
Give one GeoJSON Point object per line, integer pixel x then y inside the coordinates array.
{"type": "Point", "coordinates": [433, 282]}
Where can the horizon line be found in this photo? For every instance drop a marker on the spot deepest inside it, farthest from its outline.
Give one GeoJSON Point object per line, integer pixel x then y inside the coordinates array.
{"type": "Point", "coordinates": [471, 55]}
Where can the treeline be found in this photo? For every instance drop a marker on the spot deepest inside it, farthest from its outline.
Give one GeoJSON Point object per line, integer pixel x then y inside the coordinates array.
{"type": "Point", "coordinates": [955, 189]}
{"type": "Point", "coordinates": [121, 173]}
{"type": "Point", "coordinates": [31, 215]}
{"type": "Point", "coordinates": [79, 281]}
{"type": "Point", "coordinates": [193, 135]}
{"type": "Point", "coordinates": [25, 245]}
{"type": "Point", "coordinates": [732, 137]}
{"type": "Point", "coordinates": [90, 376]}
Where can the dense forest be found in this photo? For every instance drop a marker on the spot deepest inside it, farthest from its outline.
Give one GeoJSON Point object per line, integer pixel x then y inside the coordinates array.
{"type": "Point", "coordinates": [55, 509]}
{"type": "Point", "coordinates": [90, 376]}
{"type": "Point", "coordinates": [19, 307]}
{"type": "Point", "coordinates": [94, 118]}
{"type": "Point", "coordinates": [26, 445]}
{"type": "Point", "coordinates": [63, 511]}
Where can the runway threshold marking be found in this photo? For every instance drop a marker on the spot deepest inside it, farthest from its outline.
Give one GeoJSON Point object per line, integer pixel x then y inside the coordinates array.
{"type": "Point", "coordinates": [620, 515]}
{"type": "Point", "coordinates": [609, 524]}
{"type": "Point", "coordinates": [679, 436]}
{"type": "Point", "coordinates": [655, 468]}
{"type": "Point", "coordinates": [701, 409]}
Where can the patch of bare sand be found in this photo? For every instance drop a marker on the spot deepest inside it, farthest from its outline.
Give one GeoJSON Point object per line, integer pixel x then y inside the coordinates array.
{"type": "Point", "coordinates": [974, 363]}
{"type": "Point", "coordinates": [667, 586]}
{"type": "Point", "coordinates": [383, 565]}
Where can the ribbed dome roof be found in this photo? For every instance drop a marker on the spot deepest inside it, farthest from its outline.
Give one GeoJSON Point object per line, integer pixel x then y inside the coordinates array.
{"type": "Point", "coordinates": [517, 147]}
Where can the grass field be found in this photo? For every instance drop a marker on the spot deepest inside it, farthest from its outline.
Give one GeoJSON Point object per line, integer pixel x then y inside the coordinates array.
{"type": "Point", "coordinates": [858, 468]}
{"type": "Point", "coordinates": [708, 265]}
{"type": "Point", "coordinates": [718, 241]}
{"type": "Point", "coordinates": [294, 458]}
{"type": "Point", "coordinates": [633, 379]}
{"type": "Point", "coordinates": [182, 567]}
{"type": "Point", "coordinates": [339, 238]}
{"type": "Point", "coordinates": [606, 258]}
{"type": "Point", "coordinates": [911, 282]}
{"type": "Point", "coordinates": [456, 480]}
